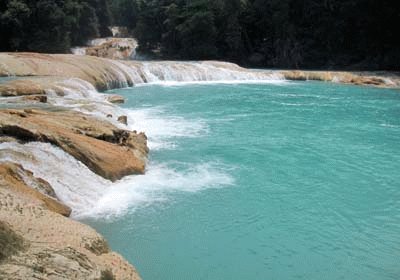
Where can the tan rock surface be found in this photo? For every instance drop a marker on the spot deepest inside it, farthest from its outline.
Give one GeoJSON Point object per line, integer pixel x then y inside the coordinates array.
{"type": "Point", "coordinates": [16, 178]}
{"type": "Point", "coordinates": [362, 78]}
{"type": "Point", "coordinates": [97, 71]}
{"type": "Point", "coordinates": [116, 99]}
{"type": "Point", "coordinates": [108, 151]}
{"type": "Point", "coordinates": [35, 98]}
{"type": "Point", "coordinates": [114, 48]}
{"type": "Point", "coordinates": [46, 245]}
{"type": "Point", "coordinates": [21, 87]}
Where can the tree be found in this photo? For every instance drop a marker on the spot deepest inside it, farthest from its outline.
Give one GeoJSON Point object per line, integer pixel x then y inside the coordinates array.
{"type": "Point", "coordinates": [49, 30]}
{"type": "Point", "coordinates": [197, 32]}
{"type": "Point", "coordinates": [103, 14]}
{"type": "Point", "coordinates": [83, 22]}
{"type": "Point", "coordinates": [14, 20]}
{"type": "Point", "coordinates": [125, 13]}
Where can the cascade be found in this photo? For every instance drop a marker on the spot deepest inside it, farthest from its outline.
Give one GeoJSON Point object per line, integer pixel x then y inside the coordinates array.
{"type": "Point", "coordinates": [88, 194]}
{"type": "Point", "coordinates": [168, 71]}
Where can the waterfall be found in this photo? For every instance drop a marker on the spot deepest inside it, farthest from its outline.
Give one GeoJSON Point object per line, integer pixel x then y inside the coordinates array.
{"type": "Point", "coordinates": [43, 160]}
{"type": "Point", "coordinates": [79, 51]}
{"type": "Point", "coordinates": [208, 71]}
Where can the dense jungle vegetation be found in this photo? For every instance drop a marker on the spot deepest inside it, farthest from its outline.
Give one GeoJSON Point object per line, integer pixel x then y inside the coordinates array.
{"type": "Point", "coordinates": [342, 34]}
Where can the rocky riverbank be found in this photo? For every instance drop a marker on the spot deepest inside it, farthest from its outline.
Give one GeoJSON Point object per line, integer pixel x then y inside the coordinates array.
{"type": "Point", "coordinates": [37, 239]}
{"type": "Point", "coordinates": [38, 242]}
{"type": "Point", "coordinates": [55, 99]}
{"type": "Point", "coordinates": [42, 242]}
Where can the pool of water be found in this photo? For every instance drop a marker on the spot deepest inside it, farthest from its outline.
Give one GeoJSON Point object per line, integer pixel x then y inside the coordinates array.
{"type": "Point", "coordinates": [293, 180]}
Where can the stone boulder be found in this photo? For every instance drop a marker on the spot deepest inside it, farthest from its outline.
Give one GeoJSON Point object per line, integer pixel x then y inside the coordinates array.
{"type": "Point", "coordinates": [116, 99]}
{"type": "Point", "coordinates": [113, 48]}
{"type": "Point", "coordinates": [105, 149]}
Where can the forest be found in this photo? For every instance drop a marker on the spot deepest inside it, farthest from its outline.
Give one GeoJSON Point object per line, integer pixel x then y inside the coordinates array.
{"type": "Point", "coordinates": [313, 34]}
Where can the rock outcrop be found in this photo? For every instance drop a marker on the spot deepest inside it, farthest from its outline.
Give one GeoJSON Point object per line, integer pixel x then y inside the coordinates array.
{"type": "Point", "coordinates": [37, 243]}
{"type": "Point", "coordinates": [48, 69]}
{"type": "Point", "coordinates": [361, 78]}
{"type": "Point", "coordinates": [112, 48]}
{"type": "Point", "coordinates": [116, 99]}
{"type": "Point", "coordinates": [95, 143]}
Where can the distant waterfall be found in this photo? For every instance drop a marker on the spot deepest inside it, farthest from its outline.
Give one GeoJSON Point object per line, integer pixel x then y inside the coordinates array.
{"type": "Point", "coordinates": [208, 71]}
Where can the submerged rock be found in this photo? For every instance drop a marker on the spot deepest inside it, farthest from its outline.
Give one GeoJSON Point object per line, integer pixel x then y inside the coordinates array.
{"type": "Point", "coordinates": [35, 98]}
{"type": "Point", "coordinates": [117, 99]}
{"type": "Point", "coordinates": [108, 151]}
{"type": "Point", "coordinates": [123, 120]}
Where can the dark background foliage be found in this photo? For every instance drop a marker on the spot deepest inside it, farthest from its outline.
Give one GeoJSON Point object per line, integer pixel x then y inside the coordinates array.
{"type": "Point", "coordinates": [337, 34]}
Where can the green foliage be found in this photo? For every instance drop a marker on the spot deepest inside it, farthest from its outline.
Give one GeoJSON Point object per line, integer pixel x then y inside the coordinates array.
{"type": "Point", "coordinates": [125, 13]}
{"type": "Point", "coordinates": [103, 14]}
{"type": "Point", "coordinates": [270, 33]}
{"type": "Point", "coordinates": [51, 26]}
{"type": "Point", "coordinates": [83, 22]}
{"type": "Point", "coordinates": [197, 33]}
{"type": "Point", "coordinates": [265, 33]}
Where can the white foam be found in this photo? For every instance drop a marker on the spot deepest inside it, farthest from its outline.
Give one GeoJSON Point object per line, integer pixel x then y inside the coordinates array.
{"type": "Point", "coordinates": [72, 181]}
{"type": "Point", "coordinates": [389, 125]}
{"type": "Point", "coordinates": [90, 195]}
{"type": "Point", "coordinates": [79, 50]}
{"type": "Point", "coordinates": [156, 185]}
{"type": "Point", "coordinates": [213, 82]}
{"type": "Point", "coordinates": [184, 73]}
{"type": "Point", "coordinates": [162, 128]}
{"type": "Point", "coordinates": [81, 96]}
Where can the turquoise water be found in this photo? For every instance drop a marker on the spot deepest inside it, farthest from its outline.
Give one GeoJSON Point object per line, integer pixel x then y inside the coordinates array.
{"type": "Point", "coordinates": [265, 181]}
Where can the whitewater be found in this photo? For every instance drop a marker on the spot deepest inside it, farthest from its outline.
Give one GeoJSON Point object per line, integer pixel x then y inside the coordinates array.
{"type": "Point", "coordinates": [91, 196]}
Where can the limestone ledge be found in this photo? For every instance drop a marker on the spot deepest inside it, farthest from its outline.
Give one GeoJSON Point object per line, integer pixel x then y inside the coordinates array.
{"type": "Point", "coordinates": [108, 151]}
{"type": "Point", "coordinates": [37, 240]}
{"type": "Point", "coordinates": [38, 243]}
{"type": "Point", "coordinates": [377, 79]}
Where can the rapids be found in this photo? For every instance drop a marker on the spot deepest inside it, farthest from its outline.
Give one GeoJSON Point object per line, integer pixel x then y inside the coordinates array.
{"type": "Point", "coordinates": [93, 196]}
